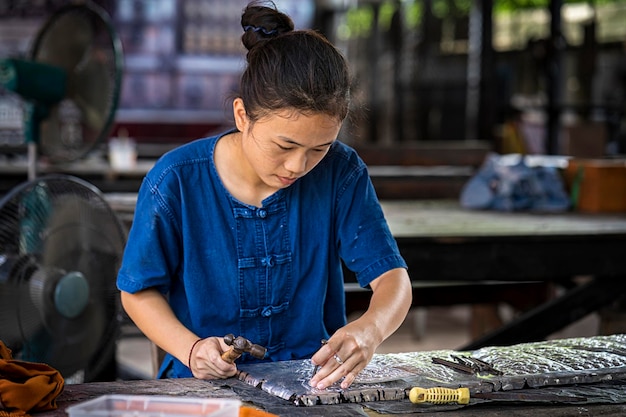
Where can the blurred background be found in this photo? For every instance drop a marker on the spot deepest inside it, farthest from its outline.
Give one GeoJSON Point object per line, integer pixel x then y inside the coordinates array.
{"type": "Point", "coordinates": [424, 71]}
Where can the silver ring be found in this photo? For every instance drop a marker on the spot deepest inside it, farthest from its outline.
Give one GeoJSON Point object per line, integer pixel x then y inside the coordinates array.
{"type": "Point", "coordinates": [338, 359]}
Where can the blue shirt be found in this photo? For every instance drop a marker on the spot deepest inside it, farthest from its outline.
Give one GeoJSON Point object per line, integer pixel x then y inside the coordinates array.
{"type": "Point", "coordinates": [271, 274]}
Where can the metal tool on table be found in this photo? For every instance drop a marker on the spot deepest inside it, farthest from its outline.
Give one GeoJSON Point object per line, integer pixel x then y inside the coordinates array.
{"type": "Point", "coordinates": [441, 395]}
{"type": "Point", "coordinates": [468, 365]}
{"type": "Point", "coordinates": [239, 346]}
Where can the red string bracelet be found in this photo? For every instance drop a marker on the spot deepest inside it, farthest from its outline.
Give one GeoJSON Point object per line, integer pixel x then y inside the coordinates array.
{"type": "Point", "coordinates": [191, 351]}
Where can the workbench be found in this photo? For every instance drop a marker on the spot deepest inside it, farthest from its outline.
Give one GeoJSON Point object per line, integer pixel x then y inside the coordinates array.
{"type": "Point", "coordinates": [444, 243]}
{"type": "Point", "coordinates": [233, 388]}
{"type": "Point", "coordinates": [565, 377]}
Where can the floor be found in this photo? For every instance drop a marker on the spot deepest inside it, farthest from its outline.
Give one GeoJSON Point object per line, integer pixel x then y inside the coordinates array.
{"type": "Point", "coordinates": [425, 329]}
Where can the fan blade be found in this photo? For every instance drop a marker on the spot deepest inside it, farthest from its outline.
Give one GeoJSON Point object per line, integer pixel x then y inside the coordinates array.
{"type": "Point", "coordinates": [65, 41]}
{"type": "Point", "coordinates": [80, 341]}
{"type": "Point", "coordinates": [78, 241]}
{"type": "Point", "coordinates": [63, 135]}
{"type": "Point", "coordinates": [23, 220]}
{"type": "Point", "coordinates": [94, 99]}
{"type": "Point", "coordinates": [76, 224]}
{"type": "Point", "coordinates": [60, 248]}
{"type": "Point", "coordinates": [20, 317]}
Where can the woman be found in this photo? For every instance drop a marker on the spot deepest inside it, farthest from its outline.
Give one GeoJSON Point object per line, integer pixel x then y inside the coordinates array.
{"type": "Point", "coordinates": [245, 232]}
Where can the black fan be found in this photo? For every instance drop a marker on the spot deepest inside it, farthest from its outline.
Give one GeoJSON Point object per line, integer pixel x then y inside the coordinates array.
{"type": "Point", "coordinates": [60, 249]}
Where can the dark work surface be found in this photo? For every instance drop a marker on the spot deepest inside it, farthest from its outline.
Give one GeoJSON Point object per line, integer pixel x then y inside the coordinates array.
{"type": "Point", "coordinates": [232, 388]}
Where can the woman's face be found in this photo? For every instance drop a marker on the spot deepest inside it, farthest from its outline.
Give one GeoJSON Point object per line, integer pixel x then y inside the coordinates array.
{"type": "Point", "coordinates": [285, 146]}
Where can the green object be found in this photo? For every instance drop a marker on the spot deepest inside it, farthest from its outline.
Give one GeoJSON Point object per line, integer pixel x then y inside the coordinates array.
{"type": "Point", "coordinates": [575, 191]}
{"type": "Point", "coordinates": [35, 209]}
{"type": "Point", "coordinates": [43, 85]}
{"type": "Point", "coordinates": [35, 81]}
{"type": "Point", "coordinates": [71, 294]}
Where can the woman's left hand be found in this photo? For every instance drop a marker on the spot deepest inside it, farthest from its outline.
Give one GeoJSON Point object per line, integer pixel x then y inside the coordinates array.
{"type": "Point", "coordinates": [345, 354]}
{"type": "Point", "coordinates": [352, 347]}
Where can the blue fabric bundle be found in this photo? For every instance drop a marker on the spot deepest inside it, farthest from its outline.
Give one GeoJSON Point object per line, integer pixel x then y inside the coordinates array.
{"type": "Point", "coordinates": [509, 183]}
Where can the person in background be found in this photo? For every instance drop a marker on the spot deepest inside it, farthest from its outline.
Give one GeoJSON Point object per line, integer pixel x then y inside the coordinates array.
{"type": "Point", "coordinates": [245, 232]}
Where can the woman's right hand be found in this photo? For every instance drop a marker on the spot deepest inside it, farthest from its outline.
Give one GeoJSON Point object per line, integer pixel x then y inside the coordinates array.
{"type": "Point", "coordinates": [172, 336]}
{"type": "Point", "coordinates": [205, 359]}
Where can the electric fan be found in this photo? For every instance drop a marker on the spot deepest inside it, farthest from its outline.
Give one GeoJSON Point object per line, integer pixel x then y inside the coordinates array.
{"type": "Point", "coordinates": [71, 83]}
{"type": "Point", "coordinates": [60, 248]}
{"type": "Point", "coordinates": [60, 243]}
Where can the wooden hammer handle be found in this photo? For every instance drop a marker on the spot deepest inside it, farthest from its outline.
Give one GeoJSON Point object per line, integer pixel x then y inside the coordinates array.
{"type": "Point", "coordinates": [230, 355]}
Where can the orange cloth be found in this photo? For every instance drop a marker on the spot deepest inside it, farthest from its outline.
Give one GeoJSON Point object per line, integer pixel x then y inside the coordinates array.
{"type": "Point", "coordinates": [26, 386]}
{"type": "Point", "coordinates": [253, 412]}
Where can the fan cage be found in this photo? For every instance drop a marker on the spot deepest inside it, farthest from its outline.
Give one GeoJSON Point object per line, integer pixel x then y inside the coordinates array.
{"type": "Point", "coordinates": [49, 227]}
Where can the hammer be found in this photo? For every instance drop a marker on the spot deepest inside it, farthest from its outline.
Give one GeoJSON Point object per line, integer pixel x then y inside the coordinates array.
{"type": "Point", "coordinates": [239, 346]}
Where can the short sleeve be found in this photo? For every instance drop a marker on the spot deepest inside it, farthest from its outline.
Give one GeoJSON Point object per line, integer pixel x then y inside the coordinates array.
{"type": "Point", "coordinates": [152, 255]}
{"type": "Point", "coordinates": [366, 244]}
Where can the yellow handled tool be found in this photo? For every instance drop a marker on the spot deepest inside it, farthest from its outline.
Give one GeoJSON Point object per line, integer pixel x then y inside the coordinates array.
{"type": "Point", "coordinates": [439, 395]}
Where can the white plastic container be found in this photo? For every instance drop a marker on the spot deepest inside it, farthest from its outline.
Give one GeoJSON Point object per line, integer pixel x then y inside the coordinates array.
{"type": "Point", "coordinates": [122, 154]}
{"type": "Point", "coordinates": [155, 406]}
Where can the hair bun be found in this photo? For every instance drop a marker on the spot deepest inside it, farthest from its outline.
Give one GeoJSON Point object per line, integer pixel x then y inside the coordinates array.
{"type": "Point", "coordinates": [261, 22]}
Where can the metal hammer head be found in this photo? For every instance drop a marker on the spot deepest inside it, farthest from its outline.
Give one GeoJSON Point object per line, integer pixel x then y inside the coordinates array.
{"type": "Point", "coordinates": [241, 344]}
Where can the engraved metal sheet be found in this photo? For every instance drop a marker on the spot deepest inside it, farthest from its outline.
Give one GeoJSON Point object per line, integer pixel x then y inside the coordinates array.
{"type": "Point", "coordinates": [390, 376]}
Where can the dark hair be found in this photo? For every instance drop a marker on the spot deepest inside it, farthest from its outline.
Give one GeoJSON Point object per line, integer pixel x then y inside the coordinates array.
{"type": "Point", "coordinates": [290, 69]}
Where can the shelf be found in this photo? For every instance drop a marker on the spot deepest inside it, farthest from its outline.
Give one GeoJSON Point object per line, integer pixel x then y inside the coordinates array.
{"type": "Point", "coordinates": [172, 116]}
{"type": "Point", "coordinates": [184, 63]}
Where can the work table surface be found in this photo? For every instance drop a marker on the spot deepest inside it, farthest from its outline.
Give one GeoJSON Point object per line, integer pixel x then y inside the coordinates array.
{"type": "Point", "coordinates": [233, 388]}
{"type": "Point", "coordinates": [445, 223]}
{"type": "Point", "coordinates": [445, 218]}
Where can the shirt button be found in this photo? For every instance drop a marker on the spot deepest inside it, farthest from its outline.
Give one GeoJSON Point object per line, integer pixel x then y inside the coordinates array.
{"type": "Point", "coordinates": [261, 213]}
{"type": "Point", "coordinates": [269, 261]}
{"type": "Point", "coordinates": [267, 311]}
